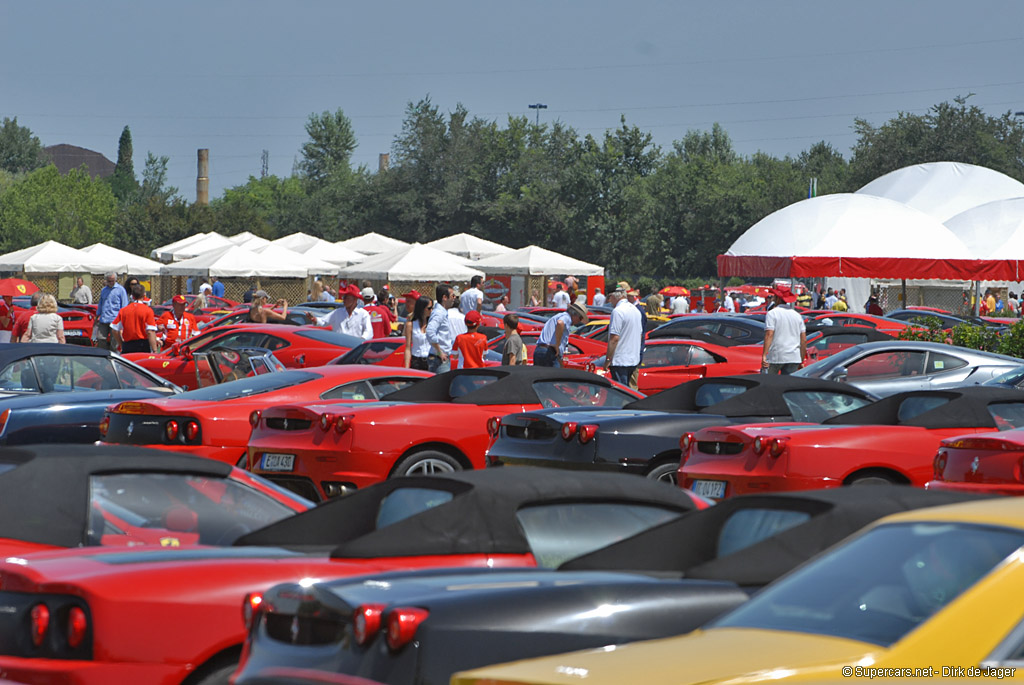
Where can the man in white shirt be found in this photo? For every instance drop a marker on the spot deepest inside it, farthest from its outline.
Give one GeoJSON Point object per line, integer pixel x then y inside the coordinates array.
{"type": "Point", "coordinates": [349, 319]}
{"type": "Point", "coordinates": [728, 303]}
{"type": "Point", "coordinates": [82, 294]}
{"type": "Point", "coordinates": [680, 305]}
{"type": "Point", "coordinates": [457, 321]}
{"type": "Point", "coordinates": [599, 298]}
{"type": "Point", "coordinates": [473, 299]}
{"type": "Point", "coordinates": [560, 300]}
{"type": "Point", "coordinates": [439, 330]}
{"type": "Point", "coordinates": [625, 338]}
{"type": "Point", "coordinates": [785, 336]}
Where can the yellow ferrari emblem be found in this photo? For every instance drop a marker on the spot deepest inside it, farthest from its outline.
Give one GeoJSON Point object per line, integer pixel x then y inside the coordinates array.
{"type": "Point", "coordinates": [170, 542]}
{"type": "Point", "coordinates": [21, 288]}
{"type": "Point", "coordinates": [166, 364]}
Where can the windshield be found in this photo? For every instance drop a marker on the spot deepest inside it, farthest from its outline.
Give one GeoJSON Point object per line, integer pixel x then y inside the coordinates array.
{"type": "Point", "coordinates": [881, 585]}
{"type": "Point", "coordinates": [248, 387]}
{"type": "Point", "coordinates": [330, 338]}
{"type": "Point", "coordinates": [1011, 377]}
{"type": "Point", "coordinates": [821, 369]}
{"type": "Point", "coordinates": [816, 406]}
{"type": "Point", "coordinates": [370, 352]}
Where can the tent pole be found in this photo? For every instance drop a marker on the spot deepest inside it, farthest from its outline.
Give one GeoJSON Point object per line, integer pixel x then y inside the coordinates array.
{"type": "Point", "coordinates": [976, 306]}
{"type": "Point", "coordinates": [903, 292]}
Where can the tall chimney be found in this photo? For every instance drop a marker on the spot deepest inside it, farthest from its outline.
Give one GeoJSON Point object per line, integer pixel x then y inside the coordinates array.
{"type": "Point", "coordinates": [383, 161]}
{"type": "Point", "coordinates": [203, 179]}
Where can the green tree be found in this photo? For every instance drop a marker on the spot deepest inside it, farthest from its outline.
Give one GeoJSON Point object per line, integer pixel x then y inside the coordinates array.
{"type": "Point", "coordinates": [123, 182]}
{"type": "Point", "coordinates": [154, 180]}
{"type": "Point", "coordinates": [329, 149]}
{"type": "Point", "coordinates": [20, 151]}
{"type": "Point", "coordinates": [74, 209]}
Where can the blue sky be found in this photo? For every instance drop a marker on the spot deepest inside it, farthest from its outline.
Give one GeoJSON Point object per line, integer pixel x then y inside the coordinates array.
{"type": "Point", "coordinates": [240, 77]}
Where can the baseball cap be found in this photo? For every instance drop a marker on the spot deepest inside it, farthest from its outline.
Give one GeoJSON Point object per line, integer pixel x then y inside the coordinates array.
{"type": "Point", "coordinates": [179, 299]}
{"type": "Point", "coordinates": [368, 293]}
{"type": "Point", "coordinates": [412, 295]}
{"type": "Point", "coordinates": [473, 318]}
{"type": "Point", "coordinates": [351, 289]}
{"type": "Point", "coordinates": [260, 293]}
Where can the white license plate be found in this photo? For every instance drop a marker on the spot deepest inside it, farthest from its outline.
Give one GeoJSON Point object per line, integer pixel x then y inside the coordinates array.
{"type": "Point", "coordinates": [714, 489]}
{"type": "Point", "coordinates": [73, 331]}
{"type": "Point", "coordinates": [277, 462]}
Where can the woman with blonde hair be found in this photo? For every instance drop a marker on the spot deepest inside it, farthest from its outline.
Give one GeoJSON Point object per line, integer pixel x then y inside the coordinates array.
{"type": "Point", "coordinates": [45, 326]}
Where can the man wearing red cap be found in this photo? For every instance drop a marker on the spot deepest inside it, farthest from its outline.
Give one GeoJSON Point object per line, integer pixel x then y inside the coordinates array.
{"type": "Point", "coordinates": [785, 335]}
{"type": "Point", "coordinates": [472, 344]}
{"type": "Point", "coordinates": [177, 324]}
{"type": "Point", "coordinates": [349, 319]}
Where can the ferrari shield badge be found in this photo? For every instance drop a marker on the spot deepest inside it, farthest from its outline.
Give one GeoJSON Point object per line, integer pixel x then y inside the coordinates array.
{"type": "Point", "coordinates": [131, 428]}
{"type": "Point", "coordinates": [974, 465]}
{"type": "Point", "coordinates": [170, 542]}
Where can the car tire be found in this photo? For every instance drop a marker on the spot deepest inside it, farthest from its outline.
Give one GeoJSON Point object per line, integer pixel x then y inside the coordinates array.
{"type": "Point", "coordinates": [665, 473]}
{"type": "Point", "coordinates": [426, 462]}
{"type": "Point", "coordinates": [219, 676]}
{"type": "Point", "coordinates": [872, 479]}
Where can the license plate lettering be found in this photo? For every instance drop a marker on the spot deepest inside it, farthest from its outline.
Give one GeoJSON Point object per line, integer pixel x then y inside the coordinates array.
{"type": "Point", "coordinates": [277, 462]}
{"type": "Point", "coordinates": [72, 331]}
{"type": "Point", "coordinates": [714, 489]}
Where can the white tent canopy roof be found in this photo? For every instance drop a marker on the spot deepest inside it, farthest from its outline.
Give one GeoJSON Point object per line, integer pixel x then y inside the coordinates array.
{"type": "Point", "coordinates": [414, 262]}
{"type": "Point", "coordinates": [292, 258]}
{"type": "Point", "coordinates": [944, 189]}
{"type": "Point", "coordinates": [335, 253]}
{"type": "Point", "coordinates": [247, 239]}
{"type": "Point", "coordinates": [191, 247]}
{"type": "Point", "coordinates": [373, 243]}
{"type": "Point", "coordinates": [469, 246]}
{"type": "Point", "coordinates": [233, 261]}
{"type": "Point", "coordinates": [849, 225]}
{"type": "Point", "coordinates": [536, 261]}
{"type": "Point", "coordinates": [994, 230]}
{"type": "Point", "coordinates": [132, 263]}
{"type": "Point", "coordinates": [296, 241]}
{"type": "Point", "coordinates": [53, 257]}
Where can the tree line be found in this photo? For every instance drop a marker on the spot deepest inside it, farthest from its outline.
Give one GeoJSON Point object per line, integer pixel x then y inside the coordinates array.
{"type": "Point", "coordinates": [648, 214]}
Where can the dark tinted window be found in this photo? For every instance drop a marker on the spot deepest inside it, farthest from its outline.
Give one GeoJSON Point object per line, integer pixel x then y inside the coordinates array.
{"type": "Point", "coordinates": [701, 357]}
{"type": "Point", "coordinates": [358, 390]}
{"type": "Point", "coordinates": [713, 393]}
{"type": "Point", "coordinates": [371, 352]}
{"type": "Point", "coordinates": [749, 526]}
{"type": "Point", "coordinates": [915, 406]}
{"type": "Point", "coordinates": [1007, 415]}
{"type": "Point", "coordinates": [939, 362]}
{"type": "Point", "coordinates": [385, 386]}
{"type": "Point", "coordinates": [330, 337]}
{"type": "Point", "coordinates": [817, 405]}
{"type": "Point", "coordinates": [406, 502]}
{"type": "Point", "coordinates": [467, 383]}
{"type": "Point", "coordinates": [249, 386]}
{"type": "Point", "coordinates": [579, 394]}
{"type": "Point", "coordinates": [888, 364]}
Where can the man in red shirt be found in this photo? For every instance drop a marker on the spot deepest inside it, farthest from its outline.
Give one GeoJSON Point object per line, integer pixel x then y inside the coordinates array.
{"type": "Point", "coordinates": [472, 344]}
{"type": "Point", "coordinates": [177, 324]}
{"type": "Point", "coordinates": [380, 316]}
{"type": "Point", "coordinates": [6, 318]}
{"type": "Point", "coordinates": [21, 321]}
{"type": "Point", "coordinates": [135, 326]}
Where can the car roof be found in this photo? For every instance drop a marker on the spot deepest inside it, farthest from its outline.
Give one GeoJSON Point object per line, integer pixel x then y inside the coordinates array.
{"type": "Point", "coordinates": [993, 511]}
{"type": "Point", "coordinates": [967, 408]}
{"type": "Point", "coordinates": [514, 385]}
{"type": "Point", "coordinates": [45, 498]}
{"type": "Point", "coordinates": [677, 335]}
{"type": "Point", "coordinates": [689, 545]}
{"type": "Point", "coordinates": [479, 518]}
{"type": "Point", "coordinates": [763, 397]}
{"type": "Point", "coordinates": [12, 352]}
{"type": "Point", "coordinates": [933, 347]}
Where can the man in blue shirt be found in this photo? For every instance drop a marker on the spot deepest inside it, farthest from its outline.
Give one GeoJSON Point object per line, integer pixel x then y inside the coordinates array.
{"type": "Point", "coordinates": [439, 331]}
{"type": "Point", "coordinates": [554, 337]}
{"type": "Point", "coordinates": [218, 287]}
{"type": "Point", "coordinates": [112, 298]}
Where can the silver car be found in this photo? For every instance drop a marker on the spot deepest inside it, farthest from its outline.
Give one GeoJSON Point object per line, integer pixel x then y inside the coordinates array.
{"type": "Point", "coordinates": [885, 368]}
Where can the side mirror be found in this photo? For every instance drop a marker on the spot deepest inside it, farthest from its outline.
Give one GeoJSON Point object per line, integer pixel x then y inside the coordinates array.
{"type": "Point", "coordinates": [838, 374]}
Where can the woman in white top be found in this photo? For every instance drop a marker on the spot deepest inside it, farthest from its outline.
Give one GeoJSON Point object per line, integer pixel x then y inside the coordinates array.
{"type": "Point", "coordinates": [417, 349]}
{"type": "Point", "coordinates": [45, 326]}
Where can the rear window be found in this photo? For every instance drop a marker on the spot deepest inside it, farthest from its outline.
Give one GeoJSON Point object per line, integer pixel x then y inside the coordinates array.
{"type": "Point", "coordinates": [815, 406]}
{"type": "Point", "coordinates": [579, 394]}
{"type": "Point", "coordinates": [405, 502]}
{"type": "Point", "coordinates": [248, 387]}
{"type": "Point", "coordinates": [466, 383]}
{"type": "Point", "coordinates": [559, 532]}
{"type": "Point", "coordinates": [749, 526]}
{"type": "Point", "coordinates": [939, 362]}
{"type": "Point", "coordinates": [1007, 415]}
{"type": "Point", "coordinates": [913, 407]}
{"type": "Point", "coordinates": [330, 337]}
{"type": "Point", "coordinates": [713, 393]}
{"type": "Point", "coordinates": [370, 353]}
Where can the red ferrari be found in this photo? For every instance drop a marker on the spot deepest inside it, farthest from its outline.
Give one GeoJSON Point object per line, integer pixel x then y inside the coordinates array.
{"type": "Point", "coordinates": [893, 440]}
{"type": "Point", "coordinates": [214, 422]}
{"type": "Point", "coordinates": [981, 464]}
{"type": "Point", "coordinates": [176, 615]}
{"type": "Point", "coordinates": [439, 425]}
{"type": "Point", "coordinates": [881, 323]}
{"type": "Point", "coordinates": [295, 346]}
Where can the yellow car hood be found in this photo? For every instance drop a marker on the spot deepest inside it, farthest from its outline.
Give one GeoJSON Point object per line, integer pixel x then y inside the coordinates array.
{"type": "Point", "coordinates": [712, 656]}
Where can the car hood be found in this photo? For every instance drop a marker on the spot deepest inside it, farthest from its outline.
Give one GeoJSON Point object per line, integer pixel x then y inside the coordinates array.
{"type": "Point", "coordinates": [702, 657]}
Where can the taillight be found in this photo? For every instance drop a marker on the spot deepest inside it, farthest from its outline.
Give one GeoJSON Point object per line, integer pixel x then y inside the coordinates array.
{"type": "Point", "coordinates": [939, 464]}
{"type": "Point", "coordinates": [254, 418]}
{"type": "Point", "coordinates": [590, 367]}
{"type": "Point", "coordinates": [759, 445]}
{"type": "Point", "coordinates": [777, 446]}
{"type": "Point", "coordinates": [402, 625]}
{"type": "Point", "coordinates": [40, 615]}
{"type": "Point", "coordinates": [569, 430]}
{"type": "Point", "coordinates": [685, 442]}
{"type": "Point", "coordinates": [104, 426]}
{"type": "Point", "coordinates": [366, 622]}
{"type": "Point", "coordinates": [250, 605]}
{"type": "Point", "coordinates": [325, 422]}
{"type": "Point", "coordinates": [171, 430]}
{"type": "Point", "coordinates": [4, 415]}
{"type": "Point", "coordinates": [191, 430]}
{"type": "Point", "coordinates": [494, 426]}
{"type": "Point", "coordinates": [342, 423]}
{"type": "Point", "coordinates": [78, 626]}
{"type": "Point", "coordinates": [587, 433]}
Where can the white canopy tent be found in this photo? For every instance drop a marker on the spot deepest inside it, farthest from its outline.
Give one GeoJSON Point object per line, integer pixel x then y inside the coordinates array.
{"type": "Point", "coordinates": [373, 243]}
{"type": "Point", "coordinates": [296, 241]}
{"type": "Point", "coordinates": [335, 253]}
{"type": "Point", "coordinates": [537, 261]}
{"type": "Point", "coordinates": [288, 257]}
{"type": "Point", "coordinates": [414, 262]}
{"type": "Point", "coordinates": [944, 189]}
{"type": "Point", "coordinates": [132, 263]}
{"type": "Point", "coordinates": [52, 257]}
{"type": "Point", "coordinates": [191, 247]}
{"type": "Point", "coordinates": [248, 240]}
{"type": "Point", "coordinates": [469, 246]}
{"type": "Point", "coordinates": [994, 230]}
{"type": "Point", "coordinates": [233, 261]}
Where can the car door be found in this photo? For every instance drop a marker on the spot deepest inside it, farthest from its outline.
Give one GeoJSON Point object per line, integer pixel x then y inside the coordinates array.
{"type": "Point", "coordinates": [889, 371]}
{"type": "Point", "coordinates": [665, 366]}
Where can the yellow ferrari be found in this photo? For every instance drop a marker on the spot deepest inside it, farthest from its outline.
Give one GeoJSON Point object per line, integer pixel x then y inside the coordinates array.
{"type": "Point", "coordinates": [933, 593]}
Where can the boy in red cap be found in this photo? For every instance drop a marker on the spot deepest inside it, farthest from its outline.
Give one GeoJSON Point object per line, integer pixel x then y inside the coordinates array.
{"type": "Point", "coordinates": [177, 324]}
{"type": "Point", "coordinates": [472, 344]}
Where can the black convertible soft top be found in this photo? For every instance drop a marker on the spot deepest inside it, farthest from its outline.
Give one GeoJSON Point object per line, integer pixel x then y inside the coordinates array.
{"type": "Point", "coordinates": [12, 352]}
{"type": "Point", "coordinates": [967, 407]}
{"type": "Point", "coordinates": [45, 497]}
{"type": "Point", "coordinates": [480, 518]}
{"type": "Point", "coordinates": [699, 334]}
{"type": "Point", "coordinates": [514, 385]}
{"type": "Point", "coordinates": [763, 397]}
{"type": "Point", "coordinates": [689, 545]}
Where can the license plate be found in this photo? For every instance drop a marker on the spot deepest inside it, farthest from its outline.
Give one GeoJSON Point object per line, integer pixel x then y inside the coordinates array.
{"type": "Point", "coordinates": [277, 462]}
{"type": "Point", "coordinates": [73, 331]}
{"type": "Point", "coordinates": [714, 489]}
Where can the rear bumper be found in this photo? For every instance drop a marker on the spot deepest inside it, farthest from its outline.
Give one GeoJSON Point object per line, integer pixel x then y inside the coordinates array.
{"type": "Point", "coordinates": [977, 488]}
{"type": "Point", "coordinates": [753, 484]}
{"type": "Point", "coordinates": [60, 671]}
{"type": "Point", "coordinates": [313, 468]}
